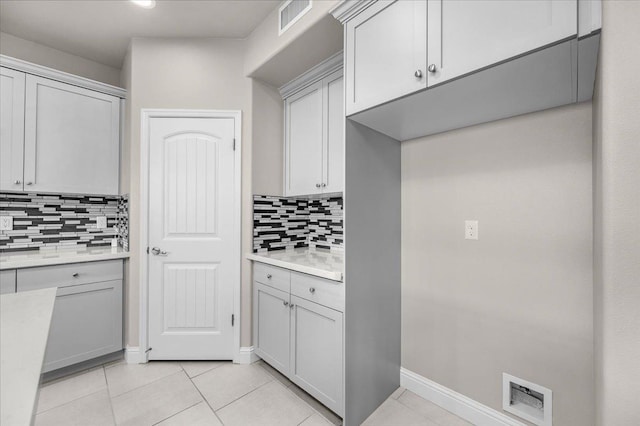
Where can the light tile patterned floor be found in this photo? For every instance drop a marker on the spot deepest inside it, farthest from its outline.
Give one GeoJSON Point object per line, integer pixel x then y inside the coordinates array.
{"type": "Point", "coordinates": [207, 393]}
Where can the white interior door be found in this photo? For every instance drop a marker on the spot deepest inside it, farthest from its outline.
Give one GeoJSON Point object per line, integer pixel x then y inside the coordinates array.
{"type": "Point", "coordinates": [194, 249]}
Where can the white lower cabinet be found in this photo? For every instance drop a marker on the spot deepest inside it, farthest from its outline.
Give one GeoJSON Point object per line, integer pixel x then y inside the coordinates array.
{"type": "Point", "coordinates": [8, 281]}
{"type": "Point", "coordinates": [316, 351]}
{"type": "Point", "coordinates": [302, 339]}
{"type": "Point", "coordinates": [87, 315]}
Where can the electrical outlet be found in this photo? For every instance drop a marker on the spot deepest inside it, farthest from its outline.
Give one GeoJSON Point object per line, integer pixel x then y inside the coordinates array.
{"type": "Point", "coordinates": [6, 223]}
{"type": "Point", "coordinates": [470, 229]}
{"type": "Point", "coordinates": [101, 222]}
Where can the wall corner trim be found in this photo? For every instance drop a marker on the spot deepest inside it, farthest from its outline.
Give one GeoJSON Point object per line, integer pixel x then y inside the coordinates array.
{"type": "Point", "coordinates": [246, 355]}
{"type": "Point", "coordinates": [134, 355]}
{"type": "Point", "coordinates": [452, 401]}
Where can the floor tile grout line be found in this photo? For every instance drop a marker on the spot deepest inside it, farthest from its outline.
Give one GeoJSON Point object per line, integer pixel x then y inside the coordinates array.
{"type": "Point", "coordinates": [75, 399]}
{"type": "Point", "coordinates": [306, 418]}
{"type": "Point", "coordinates": [432, 419]}
{"type": "Point", "coordinates": [206, 401]}
{"type": "Point", "coordinates": [200, 374]}
{"type": "Point", "coordinates": [153, 381]}
{"type": "Point", "coordinates": [113, 412]}
{"type": "Point", "coordinates": [240, 397]}
{"type": "Point", "coordinates": [175, 414]}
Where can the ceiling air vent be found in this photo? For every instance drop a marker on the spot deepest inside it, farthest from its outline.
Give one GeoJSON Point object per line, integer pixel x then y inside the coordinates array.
{"type": "Point", "coordinates": [290, 12]}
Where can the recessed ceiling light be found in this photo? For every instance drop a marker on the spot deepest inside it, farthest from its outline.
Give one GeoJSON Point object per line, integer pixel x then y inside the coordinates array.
{"type": "Point", "coordinates": [147, 4]}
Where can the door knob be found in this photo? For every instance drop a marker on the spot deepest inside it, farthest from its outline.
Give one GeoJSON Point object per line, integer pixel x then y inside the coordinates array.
{"type": "Point", "coordinates": [418, 73]}
{"type": "Point", "coordinates": [432, 68]}
{"type": "Point", "coordinates": [157, 252]}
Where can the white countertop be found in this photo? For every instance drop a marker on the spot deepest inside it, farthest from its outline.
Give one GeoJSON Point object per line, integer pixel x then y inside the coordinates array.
{"type": "Point", "coordinates": [25, 319]}
{"type": "Point", "coordinates": [322, 263]}
{"type": "Point", "coordinates": [28, 259]}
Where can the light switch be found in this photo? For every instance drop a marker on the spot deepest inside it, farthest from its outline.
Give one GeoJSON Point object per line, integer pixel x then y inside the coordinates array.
{"type": "Point", "coordinates": [470, 229]}
{"type": "Point", "coordinates": [101, 222]}
{"type": "Point", "coordinates": [6, 223]}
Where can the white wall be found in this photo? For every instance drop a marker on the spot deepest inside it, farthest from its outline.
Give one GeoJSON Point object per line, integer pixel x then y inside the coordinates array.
{"type": "Point", "coordinates": [519, 299]}
{"type": "Point", "coordinates": [617, 216]}
{"type": "Point", "coordinates": [190, 74]}
{"type": "Point", "coordinates": [26, 50]}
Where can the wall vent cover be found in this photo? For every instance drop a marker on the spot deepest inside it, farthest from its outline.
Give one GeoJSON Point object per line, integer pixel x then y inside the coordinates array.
{"type": "Point", "coordinates": [290, 12]}
{"type": "Point", "coordinates": [527, 400]}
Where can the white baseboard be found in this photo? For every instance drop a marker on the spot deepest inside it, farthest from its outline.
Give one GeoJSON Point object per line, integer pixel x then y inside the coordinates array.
{"type": "Point", "coordinates": [133, 355]}
{"type": "Point", "coordinates": [452, 401]}
{"type": "Point", "coordinates": [246, 355]}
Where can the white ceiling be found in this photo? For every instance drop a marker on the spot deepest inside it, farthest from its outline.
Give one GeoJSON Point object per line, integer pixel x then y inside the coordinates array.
{"type": "Point", "coordinates": [100, 30]}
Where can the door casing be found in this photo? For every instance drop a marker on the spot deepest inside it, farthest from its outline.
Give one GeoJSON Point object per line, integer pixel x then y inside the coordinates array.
{"type": "Point", "coordinates": [146, 116]}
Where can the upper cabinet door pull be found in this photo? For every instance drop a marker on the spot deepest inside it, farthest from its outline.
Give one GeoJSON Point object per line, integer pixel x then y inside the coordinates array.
{"type": "Point", "coordinates": [418, 73]}
{"type": "Point", "coordinates": [432, 68]}
{"type": "Point", "coordinates": [76, 275]}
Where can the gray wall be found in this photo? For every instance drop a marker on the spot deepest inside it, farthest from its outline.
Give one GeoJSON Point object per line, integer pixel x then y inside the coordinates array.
{"type": "Point", "coordinates": [26, 50]}
{"type": "Point", "coordinates": [189, 74]}
{"type": "Point", "coordinates": [519, 299]}
{"type": "Point", "coordinates": [617, 216]}
{"type": "Point", "coordinates": [267, 130]}
{"type": "Point", "coordinates": [372, 270]}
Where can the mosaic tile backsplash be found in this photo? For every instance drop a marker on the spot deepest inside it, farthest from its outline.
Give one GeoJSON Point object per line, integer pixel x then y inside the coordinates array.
{"type": "Point", "coordinates": [62, 221]}
{"type": "Point", "coordinates": [282, 223]}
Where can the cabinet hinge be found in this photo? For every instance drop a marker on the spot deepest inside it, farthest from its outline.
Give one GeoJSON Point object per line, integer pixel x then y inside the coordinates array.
{"type": "Point", "coordinates": [234, 144]}
{"type": "Point", "coordinates": [233, 320]}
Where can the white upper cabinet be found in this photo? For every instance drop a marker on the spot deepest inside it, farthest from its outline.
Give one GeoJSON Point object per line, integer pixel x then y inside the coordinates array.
{"type": "Point", "coordinates": [465, 36]}
{"type": "Point", "coordinates": [11, 129]}
{"type": "Point", "coordinates": [386, 53]}
{"type": "Point", "coordinates": [333, 133]}
{"type": "Point", "coordinates": [72, 138]}
{"type": "Point", "coordinates": [303, 141]}
{"type": "Point", "coordinates": [314, 130]}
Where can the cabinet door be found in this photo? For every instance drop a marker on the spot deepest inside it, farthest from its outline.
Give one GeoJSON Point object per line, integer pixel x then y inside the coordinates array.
{"type": "Point", "coordinates": [317, 352]}
{"type": "Point", "coordinates": [271, 326]}
{"type": "Point", "coordinates": [8, 281]}
{"type": "Point", "coordinates": [72, 139]}
{"type": "Point", "coordinates": [86, 323]}
{"type": "Point", "coordinates": [386, 46]}
{"type": "Point", "coordinates": [11, 129]}
{"type": "Point", "coordinates": [333, 135]}
{"type": "Point", "coordinates": [303, 143]}
{"type": "Point", "coordinates": [465, 36]}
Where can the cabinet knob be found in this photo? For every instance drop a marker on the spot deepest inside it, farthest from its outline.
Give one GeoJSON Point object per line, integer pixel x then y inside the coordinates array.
{"type": "Point", "coordinates": [269, 276]}
{"type": "Point", "coordinates": [317, 185]}
{"type": "Point", "coordinates": [29, 183]}
{"type": "Point", "coordinates": [76, 275]}
{"type": "Point", "coordinates": [312, 290]}
{"type": "Point", "coordinates": [324, 185]}
{"type": "Point", "coordinates": [432, 68]}
{"type": "Point", "coordinates": [418, 73]}
{"type": "Point", "coordinates": [17, 182]}
{"type": "Point", "coordinates": [285, 303]}
{"type": "Point", "coordinates": [291, 306]}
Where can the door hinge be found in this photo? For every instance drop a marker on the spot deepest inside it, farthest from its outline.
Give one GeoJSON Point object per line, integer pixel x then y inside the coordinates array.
{"type": "Point", "coordinates": [147, 250]}
{"type": "Point", "coordinates": [234, 144]}
{"type": "Point", "coordinates": [233, 320]}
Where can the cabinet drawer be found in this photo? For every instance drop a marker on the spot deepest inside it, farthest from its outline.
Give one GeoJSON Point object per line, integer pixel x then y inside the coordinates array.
{"type": "Point", "coordinates": [8, 281]}
{"type": "Point", "coordinates": [270, 275]}
{"type": "Point", "coordinates": [69, 275]}
{"type": "Point", "coordinates": [324, 292]}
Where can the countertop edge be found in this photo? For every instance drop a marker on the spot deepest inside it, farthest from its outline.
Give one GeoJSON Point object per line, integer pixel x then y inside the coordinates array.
{"type": "Point", "coordinates": [32, 263]}
{"type": "Point", "coordinates": [330, 275]}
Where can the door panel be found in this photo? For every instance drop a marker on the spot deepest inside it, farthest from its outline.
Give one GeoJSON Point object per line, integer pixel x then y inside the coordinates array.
{"type": "Point", "coordinates": [316, 352]}
{"type": "Point", "coordinates": [192, 272]}
{"type": "Point", "coordinates": [72, 139]}
{"type": "Point", "coordinates": [303, 121]}
{"type": "Point", "coordinates": [11, 129]}
{"type": "Point", "coordinates": [334, 133]}
{"type": "Point", "coordinates": [271, 326]}
{"type": "Point", "coordinates": [386, 44]}
{"type": "Point", "coordinates": [465, 36]}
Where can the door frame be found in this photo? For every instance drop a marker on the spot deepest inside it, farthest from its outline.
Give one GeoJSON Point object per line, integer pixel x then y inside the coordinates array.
{"type": "Point", "coordinates": [146, 115]}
